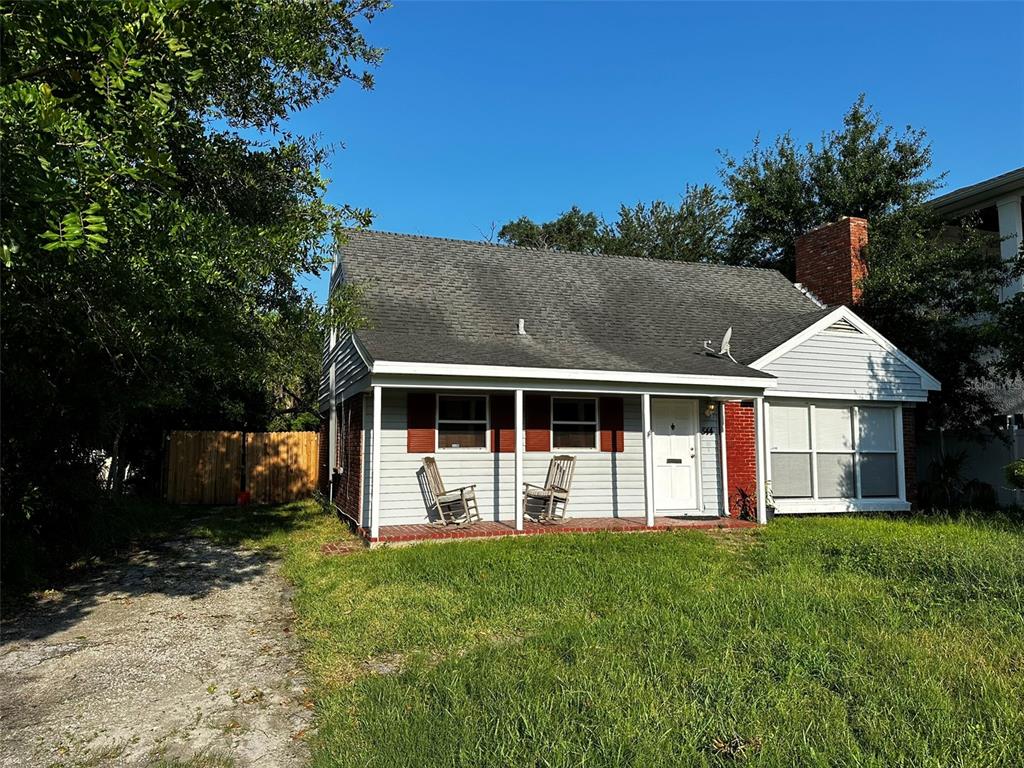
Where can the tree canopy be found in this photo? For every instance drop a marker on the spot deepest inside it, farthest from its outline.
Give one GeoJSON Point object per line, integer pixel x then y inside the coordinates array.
{"type": "Point", "coordinates": [157, 220]}
{"type": "Point", "coordinates": [694, 230]}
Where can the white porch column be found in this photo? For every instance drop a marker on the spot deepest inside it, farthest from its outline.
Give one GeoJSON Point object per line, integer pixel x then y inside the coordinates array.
{"type": "Point", "coordinates": [518, 496]}
{"type": "Point", "coordinates": [759, 449]}
{"type": "Point", "coordinates": [645, 413]}
{"type": "Point", "coordinates": [375, 464]}
{"type": "Point", "coordinates": [724, 460]}
{"type": "Point", "coordinates": [1011, 230]}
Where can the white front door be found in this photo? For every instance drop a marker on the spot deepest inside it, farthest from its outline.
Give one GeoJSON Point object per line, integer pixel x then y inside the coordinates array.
{"type": "Point", "coordinates": [674, 422]}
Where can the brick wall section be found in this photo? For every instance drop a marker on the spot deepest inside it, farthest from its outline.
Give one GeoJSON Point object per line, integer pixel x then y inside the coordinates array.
{"type": "Point", "coordinates": [829, 263]}
{"type": "Point", "coordinates": [741, 461]}
{"type": "Point", "coordinates": [348, 491]}
{"type": "Point", "coordinates": [324, 480]}
{"type": "Point", "coordinates": [910, 452]}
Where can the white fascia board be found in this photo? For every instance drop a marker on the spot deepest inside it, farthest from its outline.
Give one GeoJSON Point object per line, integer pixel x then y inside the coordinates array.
{"type": "Point", "coordinates": [566, 374]}
{"type": "Point", "coordinates": [563, 386]}
{"type": "Point", "coordinates": [928, 381]}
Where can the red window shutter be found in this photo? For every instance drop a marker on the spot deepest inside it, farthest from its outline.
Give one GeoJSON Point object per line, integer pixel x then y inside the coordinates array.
{"type": "Point", "coordinates": [613, 438]}
{"type": "Point", "coordinates": [537, 422]}
{"type": "Point", "coordinates": [503, 424]}
{"type": "Point", "coordinates": [420, 410]}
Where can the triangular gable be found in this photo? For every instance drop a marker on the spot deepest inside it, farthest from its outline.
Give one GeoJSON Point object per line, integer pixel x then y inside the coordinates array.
{"type": "Point", "coordinates": [842, 357]}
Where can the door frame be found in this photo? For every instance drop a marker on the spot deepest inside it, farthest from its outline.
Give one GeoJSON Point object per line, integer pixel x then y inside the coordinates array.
{"type": "Point", "coordinates": [698, 509]}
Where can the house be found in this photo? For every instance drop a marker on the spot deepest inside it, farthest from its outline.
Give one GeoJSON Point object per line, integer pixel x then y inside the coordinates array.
{"type": "Point", "coordinates": [492, 359]}
{"type": "Point", "coordinates": [997, 205]}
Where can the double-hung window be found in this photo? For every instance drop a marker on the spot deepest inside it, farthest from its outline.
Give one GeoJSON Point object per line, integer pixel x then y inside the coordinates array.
{"type": "Point", "coordinates": [573, 422]}
{"type": "Point", "coordinates": [462, 421]}
{"type": "Point", "coordinates": [826, 451]}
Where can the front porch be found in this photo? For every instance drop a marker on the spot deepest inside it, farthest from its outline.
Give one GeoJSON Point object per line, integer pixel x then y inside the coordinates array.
{"type": "Point", "coordinates": [408, 534]}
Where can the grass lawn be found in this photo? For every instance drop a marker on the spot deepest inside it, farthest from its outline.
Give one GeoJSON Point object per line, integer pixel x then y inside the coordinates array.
{"type": "Point", "coordinates": [827, 641]}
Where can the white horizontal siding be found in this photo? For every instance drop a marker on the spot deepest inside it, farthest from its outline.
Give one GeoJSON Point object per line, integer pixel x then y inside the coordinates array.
{"type": "Point", "coordinates": [604, 484]}
{"type": "Point", "coordinates": [844, 364]}
{"type": "Point", "coordinates": [710, 462]}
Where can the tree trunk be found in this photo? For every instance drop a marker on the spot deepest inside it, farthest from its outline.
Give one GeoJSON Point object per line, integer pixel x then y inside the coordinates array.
{"type": "Point", "coordinates": [115, 476]}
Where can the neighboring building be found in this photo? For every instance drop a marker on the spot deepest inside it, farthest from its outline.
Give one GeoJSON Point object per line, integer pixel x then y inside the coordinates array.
{"type": "Point", "coordinates": [998, 204]}
{"type": "Point", "coordinates": [492, 359]}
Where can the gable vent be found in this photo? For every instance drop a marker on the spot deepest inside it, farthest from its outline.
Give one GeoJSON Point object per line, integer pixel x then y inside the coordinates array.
{"type": "Point", "coordinates": [843, 326]}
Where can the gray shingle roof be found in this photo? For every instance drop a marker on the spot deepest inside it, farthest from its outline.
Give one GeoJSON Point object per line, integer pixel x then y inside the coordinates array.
{"type": "Point", "coordinates": [452, 301]}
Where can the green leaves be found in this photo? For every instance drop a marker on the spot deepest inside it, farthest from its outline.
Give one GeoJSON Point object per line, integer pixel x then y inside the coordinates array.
{"type": "Point", "coordinates": [344, 310]}
{"type": "Point", "coordinates": [77, 229]}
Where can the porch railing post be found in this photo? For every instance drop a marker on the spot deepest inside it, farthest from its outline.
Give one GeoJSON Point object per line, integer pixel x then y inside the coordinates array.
{"type": "Point", "coordinates": [759, 449]}
{"type": "Point", "coordinates": [375, 465]}
{"type": "Point", "coordinates": [645, 418]}
{"type": "Point", "coordinates": [518, 491]}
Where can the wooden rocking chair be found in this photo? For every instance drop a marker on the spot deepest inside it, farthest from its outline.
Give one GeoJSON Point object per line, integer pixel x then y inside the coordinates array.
{"type": "Point", "coordinates": [453, 507]}
{"type": "Point", "coordinates": [555, 493]}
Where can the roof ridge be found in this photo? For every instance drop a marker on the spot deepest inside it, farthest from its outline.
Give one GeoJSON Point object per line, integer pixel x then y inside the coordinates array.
{"type": "Point", "coordinates": [591, 254]}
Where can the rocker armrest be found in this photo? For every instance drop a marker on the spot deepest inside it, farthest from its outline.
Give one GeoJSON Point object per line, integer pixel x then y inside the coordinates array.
{"type": "Point", "coordinates": [460, 490]}
{"type": "Point", "coordinates": [559, 489]}
{"type": "Point", "coordinates": [531, 485]}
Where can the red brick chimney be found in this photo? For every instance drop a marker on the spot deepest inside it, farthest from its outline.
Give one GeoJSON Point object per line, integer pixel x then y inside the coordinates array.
{"type": "Point", "coordinates": [828, 260]}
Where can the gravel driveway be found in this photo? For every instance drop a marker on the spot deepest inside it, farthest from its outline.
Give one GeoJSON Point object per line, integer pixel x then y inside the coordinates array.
{"type": "Point", "coordinates": [181, 652]}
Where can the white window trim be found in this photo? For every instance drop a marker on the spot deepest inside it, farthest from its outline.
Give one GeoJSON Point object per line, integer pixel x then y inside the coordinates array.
{"type": "Point", "coordinates": [486, 422]}
{"type": "Point", "coordinates": [815, 503]}
{"type": "Point", "coordinates": [597, 425]}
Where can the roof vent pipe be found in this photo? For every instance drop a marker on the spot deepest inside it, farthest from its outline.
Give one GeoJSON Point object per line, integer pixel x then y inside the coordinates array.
{"type": "Point", "coordinates": [521, 329]}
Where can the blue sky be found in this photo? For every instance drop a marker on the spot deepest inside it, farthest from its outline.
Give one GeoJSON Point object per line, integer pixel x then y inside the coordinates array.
{"type": "Point", "coordinates": [483, 112]}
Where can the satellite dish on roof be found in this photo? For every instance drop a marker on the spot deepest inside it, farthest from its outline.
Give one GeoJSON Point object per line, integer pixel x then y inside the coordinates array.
{"type": "Point", "coordinates": [726, 347]}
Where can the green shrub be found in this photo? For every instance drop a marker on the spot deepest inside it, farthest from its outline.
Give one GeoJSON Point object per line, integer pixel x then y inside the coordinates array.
{"type": "Point", "coordinates": [1015, 473]}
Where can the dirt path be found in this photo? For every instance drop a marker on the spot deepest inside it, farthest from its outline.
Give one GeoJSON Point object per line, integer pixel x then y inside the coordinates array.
{"type": "Point", "coordinates": [182, 650]}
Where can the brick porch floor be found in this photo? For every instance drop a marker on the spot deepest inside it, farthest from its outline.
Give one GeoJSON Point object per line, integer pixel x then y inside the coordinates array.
{"type": "Point", "coordinates": [404, 534]}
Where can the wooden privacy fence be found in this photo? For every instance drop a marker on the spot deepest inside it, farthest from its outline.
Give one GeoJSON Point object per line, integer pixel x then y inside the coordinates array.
{"type": "Point", "coordinates": [210, 467]}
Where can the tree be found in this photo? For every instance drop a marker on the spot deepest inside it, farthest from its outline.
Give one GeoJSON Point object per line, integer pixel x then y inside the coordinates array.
{"type": "Point", "coordinates": [1010, 327]}
{"type": "Point", "coordinates": [573, 230]}
{"type": "Point", "coordinates": [151, 249]}
{"type": "Point", "coordinates": [695, 230]}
